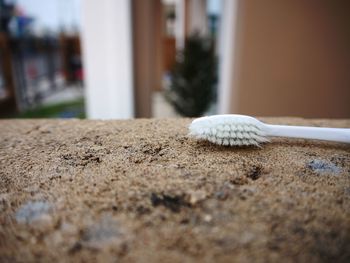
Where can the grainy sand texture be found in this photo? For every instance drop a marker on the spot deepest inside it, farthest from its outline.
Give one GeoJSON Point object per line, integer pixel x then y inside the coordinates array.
{"type": "Point", "coordinates": [142, 191]}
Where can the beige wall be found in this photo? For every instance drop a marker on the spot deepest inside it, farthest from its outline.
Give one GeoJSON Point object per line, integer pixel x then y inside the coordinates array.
{"type": "Point", "coordinates": [293, 59]}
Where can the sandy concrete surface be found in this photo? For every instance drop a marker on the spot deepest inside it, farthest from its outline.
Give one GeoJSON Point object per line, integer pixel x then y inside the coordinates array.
{"type": "Point", "coordinates": [142, 191]}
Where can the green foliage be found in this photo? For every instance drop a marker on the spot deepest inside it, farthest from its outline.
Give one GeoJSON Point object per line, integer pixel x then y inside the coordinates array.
{"type": "Point", "coordinates": [194, 77]}
{"type": "Point", "coordinates": [72, 109]}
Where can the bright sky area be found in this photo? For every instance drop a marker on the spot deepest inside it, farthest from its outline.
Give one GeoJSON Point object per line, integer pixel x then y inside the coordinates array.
{"type": "Point", "coordinates": [55, 14]}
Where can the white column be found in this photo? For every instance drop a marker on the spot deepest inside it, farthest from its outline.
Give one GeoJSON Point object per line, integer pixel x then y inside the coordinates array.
{"type": "Point", "coordinates": [198, 21]}
{"type": "Point", "coordinates": [180, 24]}
{"type": "Point", "coordinates": [227, 56]}
{"type": "Point", "coordinates": [107, 57]}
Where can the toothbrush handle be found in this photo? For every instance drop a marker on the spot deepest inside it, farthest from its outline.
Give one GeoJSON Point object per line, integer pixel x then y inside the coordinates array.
{"type": "Point", "coordinates": [316, 133]}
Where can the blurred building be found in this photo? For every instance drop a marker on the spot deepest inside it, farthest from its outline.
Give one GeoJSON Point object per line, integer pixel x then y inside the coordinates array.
{"type": "Point", "coordinates": [276, 58]}
{"type": "Point", "coordinates": [39, 52]}
{"type": "Point", "coordinates": [134, 44]}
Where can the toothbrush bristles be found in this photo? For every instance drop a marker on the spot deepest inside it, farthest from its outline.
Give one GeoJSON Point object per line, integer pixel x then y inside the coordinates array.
{"type": "Point", "coordinates": [229, 130]}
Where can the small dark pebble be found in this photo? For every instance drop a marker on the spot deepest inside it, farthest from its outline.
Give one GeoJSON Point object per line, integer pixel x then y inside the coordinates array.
{"type": "Point", "coordinates": [75, 248]}
{"type": "Point", "coordinates": [255, 172]}
{"type": "Point", "coordinates": [174, 203]}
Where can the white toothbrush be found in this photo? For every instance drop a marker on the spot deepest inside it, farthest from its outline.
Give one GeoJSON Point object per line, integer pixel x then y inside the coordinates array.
{"type": "Point", "coordinates": [239, 130]}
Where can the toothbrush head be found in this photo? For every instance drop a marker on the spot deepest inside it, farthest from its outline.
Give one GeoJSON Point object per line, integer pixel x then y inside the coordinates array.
{"type": "Point", "coordinates": [230, 129]}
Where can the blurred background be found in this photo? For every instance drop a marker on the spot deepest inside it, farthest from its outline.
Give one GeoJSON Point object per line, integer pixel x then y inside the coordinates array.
{"type": "Point", "coordinates": [116, 59]}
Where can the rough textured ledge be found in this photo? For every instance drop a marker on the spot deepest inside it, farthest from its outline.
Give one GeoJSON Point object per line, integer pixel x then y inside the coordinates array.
{"type": "Point", "coordinates": [142, 191]}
